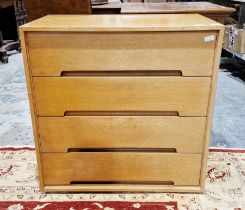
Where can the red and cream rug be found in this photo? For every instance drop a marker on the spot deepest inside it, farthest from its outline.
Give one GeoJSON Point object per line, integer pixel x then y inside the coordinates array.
{"type": "Point", "coordinates": [225, 188]}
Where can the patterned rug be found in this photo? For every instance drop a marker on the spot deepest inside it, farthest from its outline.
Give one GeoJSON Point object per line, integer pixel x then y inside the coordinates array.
{"type": "Point", "coordinates": [225, 188]}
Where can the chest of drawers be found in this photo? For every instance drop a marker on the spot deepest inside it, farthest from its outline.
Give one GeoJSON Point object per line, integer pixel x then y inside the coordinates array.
{"type": "Point", "coordinates": [122, 103]}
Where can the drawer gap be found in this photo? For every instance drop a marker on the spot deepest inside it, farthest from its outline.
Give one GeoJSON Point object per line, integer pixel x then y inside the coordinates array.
{"type": "Point", "coordinates": [121, 73]}
{"type": "Point", "coordinates": [121, 113]}
{"type": "Point", "coordinates": [143, 150]}
{"type": "Point", "coordinates": [124, 182]}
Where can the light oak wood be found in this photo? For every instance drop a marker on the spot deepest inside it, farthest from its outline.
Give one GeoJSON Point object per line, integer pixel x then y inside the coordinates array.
{"type": "Point", "coordinates": [55, 96]}
{"type": "Point", "coordinates": [52, 53]}
{"type": "Point", "coordinates": [145, 95]}
{"type": "Point", "coordinates": [211, 107]}
{"type": "Point", "coordinates": [185, 134]}
{"type": "Point", "coordinates": [121, 167]}
{"type": "Point", "coordinates": [122, 188]}
{"type": "Point", "coordinates": [31, 96]}
{"type": "Point", "coordinates": [116, 23]}
{"type": "Point", "coordinates": [95, 23]}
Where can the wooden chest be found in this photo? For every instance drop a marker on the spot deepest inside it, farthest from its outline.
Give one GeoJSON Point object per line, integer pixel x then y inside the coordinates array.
{"type": "Point", "coordinates": [122, 103]}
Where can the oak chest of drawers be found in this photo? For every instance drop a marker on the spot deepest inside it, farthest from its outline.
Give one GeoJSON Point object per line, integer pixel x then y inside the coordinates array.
{"type": "Point", "coordinates": [122, 103]}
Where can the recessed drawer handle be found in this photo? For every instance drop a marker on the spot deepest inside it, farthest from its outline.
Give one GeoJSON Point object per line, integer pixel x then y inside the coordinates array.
{"type": "Point", "coordinates": [121, 113]}
{"type": "Point", "coordinates": [121, 73]}
{"type": "Point", "coordinates": [143, 150]}
{"type": "Point", "coordinates": [125, 182]}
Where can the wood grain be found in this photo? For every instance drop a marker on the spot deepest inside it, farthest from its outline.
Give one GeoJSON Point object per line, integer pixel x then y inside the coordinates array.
{"type": "Point", "coordinates": [175, 8]}
{"type": "Point", "coordinates": [121, 188]}
{"type": "Point", "coordinates": [52, 53]}
{"type": "Point", "coordinates": [28, 77]}
{"type": "Point", "coordinates": [117, 23]}
{"type": "Point", "coordinates": [188, 96]}
{"type": "Point", "coordinates": [213, 86]}
{"type": "Point", "coordinates": [186, 134]}
{"type": "Point", "coordinates": [133, 106]}
{"type": "Point", "coordinates": [39, 8]}
{"type": "Point", "coordinates": [117, 166]}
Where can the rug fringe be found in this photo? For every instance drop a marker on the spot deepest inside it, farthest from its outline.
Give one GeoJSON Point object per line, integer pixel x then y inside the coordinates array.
{"type": "Point", "coordinates": [17, 148]}
{"type": "Point", "coordinates": [213, 149]}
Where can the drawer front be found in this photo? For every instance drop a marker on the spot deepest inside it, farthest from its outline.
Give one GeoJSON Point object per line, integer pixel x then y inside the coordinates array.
{"type": "Point", "coordinates": [51, 53]}
{"type": "Point", "coordinates": [185, 134]}
{"type": "Point", "coordinates": [89, 167]}
{"type": "Point", "coordinates": [186, 95]}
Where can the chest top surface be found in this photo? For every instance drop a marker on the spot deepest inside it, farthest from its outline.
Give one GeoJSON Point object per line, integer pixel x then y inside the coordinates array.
{"type": "Point", "coordinates": [104, 23]}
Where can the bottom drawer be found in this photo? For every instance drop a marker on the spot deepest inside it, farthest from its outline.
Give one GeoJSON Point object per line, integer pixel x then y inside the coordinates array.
{"type": "Point", "coordinates": [121, 167]}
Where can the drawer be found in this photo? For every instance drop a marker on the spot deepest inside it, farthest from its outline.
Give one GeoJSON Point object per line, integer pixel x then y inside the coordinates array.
{"type": "Point", "coordinates": [51, 53]}
{"type": "Point", "coordinates": [57, 96]}
{"type": "Point", "coordinates": [121, 167]}
{"type": "Point", "coordinates": [184, 134]}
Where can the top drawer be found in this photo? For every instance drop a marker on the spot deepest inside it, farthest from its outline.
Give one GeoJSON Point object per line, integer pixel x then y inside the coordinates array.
{"type": "Point", "coordinates": [51, 53]}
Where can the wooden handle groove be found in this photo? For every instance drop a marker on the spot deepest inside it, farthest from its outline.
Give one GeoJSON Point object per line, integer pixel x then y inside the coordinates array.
{"type": "Point", "coordinates": [123, 182]}
{"type": "Point", "coordinates": [121, 73]}
{"type": "Point", "coordinates": [121, 113]}
{"type": "Point", "coordinates": [143, 150]}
